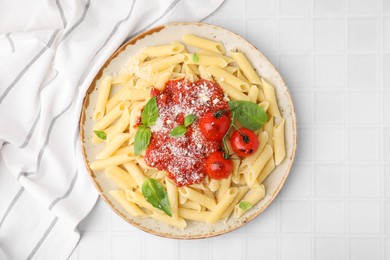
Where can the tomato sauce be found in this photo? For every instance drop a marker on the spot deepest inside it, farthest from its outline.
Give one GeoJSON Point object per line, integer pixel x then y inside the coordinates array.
{"type": "Point", "coordinates": [184, 158]}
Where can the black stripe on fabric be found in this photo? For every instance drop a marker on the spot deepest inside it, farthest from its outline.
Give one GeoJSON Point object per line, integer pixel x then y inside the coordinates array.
{"type": "Point", "coordinates": [74, 179]}
{"type": "Point", "coordinates": [43, 238]}
{"type": "Point", "coordinates": [86, 7]}
{"type": "Point", "coordinates": [64, 22]}
{"type": "Point", "coordinates": [28, 66]}
{"type": "Point", "coordinates": [45, 143]}
{"type": "Point", "coordinates": [170, 7]}
{"type": "Point", "coordinates": [11, 42]}
{"type": "Point", "coordinates": [11, 205]}
{"type": "Point", "coordinates": [32, 129]}
{"type": "Point", "coordinates": [116, 27]}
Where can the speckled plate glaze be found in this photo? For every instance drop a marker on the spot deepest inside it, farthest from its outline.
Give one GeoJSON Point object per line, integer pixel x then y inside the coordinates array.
{"type": "Point", "coordinates": [164, 35]}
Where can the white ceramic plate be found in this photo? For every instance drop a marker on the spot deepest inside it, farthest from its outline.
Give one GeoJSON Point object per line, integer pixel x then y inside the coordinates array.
{"type": "Point", "coordinates": [165, 35]}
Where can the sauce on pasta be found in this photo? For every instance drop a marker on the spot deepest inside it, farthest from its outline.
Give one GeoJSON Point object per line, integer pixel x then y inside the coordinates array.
{"type": "Point", "coordinates": [184, 158]}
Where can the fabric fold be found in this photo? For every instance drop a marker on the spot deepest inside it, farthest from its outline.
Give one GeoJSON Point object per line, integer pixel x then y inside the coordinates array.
{"type": "Point", "coordinates": [51, 51]}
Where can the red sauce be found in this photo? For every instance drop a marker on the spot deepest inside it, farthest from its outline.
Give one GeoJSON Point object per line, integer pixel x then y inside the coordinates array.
{"type": "Point", "coordinates": [184, 158]}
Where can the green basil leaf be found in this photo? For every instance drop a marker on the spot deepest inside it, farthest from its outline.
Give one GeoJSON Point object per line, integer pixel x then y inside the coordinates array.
{"type": "Point", "coordinates": [245, 205]}
{"type": "Point", "coordinates": [150, 113]}
{"type": "Point", "coordinates": [232, 104]}
{"type": "Point", "coordinates": [101, 134]}
{"type": "Point", "coordinates": [195, 57]}
{"type": "Point", "coordinates": [142, 139]}
{"type": "Point", "coordinates": [156, 195]}
{"type": "Point", "coordinates": [178, 131]}
{"type": "Point", "coordinates": [189, 119]}
{"type": "Point", "coordinates": [250, 115]}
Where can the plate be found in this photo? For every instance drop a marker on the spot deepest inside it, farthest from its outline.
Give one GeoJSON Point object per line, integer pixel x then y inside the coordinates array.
{"type": "Point", "coordinates": [164, 35]}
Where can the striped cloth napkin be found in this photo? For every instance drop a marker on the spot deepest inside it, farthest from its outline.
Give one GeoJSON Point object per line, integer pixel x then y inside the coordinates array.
{"type": "Point", "coordinates": [49, 53]}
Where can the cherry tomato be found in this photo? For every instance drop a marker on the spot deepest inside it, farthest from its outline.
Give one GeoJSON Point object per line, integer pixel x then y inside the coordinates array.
{"type": "Point", "coordinates": [217, 167]}
{"type": "Point", "coordinates": [244, 142]}
{"type": "Point", "coordinates": [214, 126]}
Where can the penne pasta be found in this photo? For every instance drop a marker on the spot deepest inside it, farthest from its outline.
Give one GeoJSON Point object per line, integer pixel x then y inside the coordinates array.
{"type": "Point", "coordinates": [194, 215]}
{"type": "Point", "coordinates": [246, 67]}
{"type": "Point", "coordinates": [264, 105]}
{"type": "Point", "coordinates": [255, 169]}
{"type": "Point", "coordinates": [223, 188]}
{"type": "Point", "coordinates": [214, 184]}
{"type": "Point", "coordinates": [222, 205]}
{"type": "Point", "coordinates": [113, 115]}
{"type": "Point", "coordinates": [197, 197]}
{"type": "Point", "coordinates": [130, 207]}
{"type": "Point", "coordinates": [122, 78]}
{"type": "Point", "coordinates": [161, 63]}
{"type": "Point", "coordinates": [111, 161]}
{"type": "Point", "coordinates": [205, 60]}
{"type": "Point", "coordinates": [224, 76]}
{"type": "Point", "coordinates": [115, 100]}
{"type": "Point", "coordinates": [135, 172]}
{"type": "Point", "coordinates": [113, 146]}
{"type": "Point", "coordinates": [232, 92]}
{"type": "Point", "coordinates": [255, 196]}
{"type": "Point", "coordinates": [269, 128]}
{"type": "Point", "coordinates": [163, 50]}
{"type": "Point", "coordinates": [279, 146]}
{"type": "Point", "coordinates": [103, 94]}
{"type": "Point", "coordinates": [179, 222]}
{"type": "Point", "coordinates": [253, 93]}
{"type": "Point", "coordinates": [268, 168]}
{"type": "Point", "coordinates": [270, 96]}
{"type": "Point", "coordinates": [135, 95]}
{"type": "Point", "coordinates": [121, 178]}
{"type": "Point", "coordinates": [203, 43]}
{"type": "Point", "coordinates": [191, 205]}
{"type": "Point", "coordinates": [173, 197]}
{"type": "Point", "coordinates": [210, 53]}
{"type": "Point", "coordinates": [120, 126]}
{"type": "Point", "coordinates": [240, 193]}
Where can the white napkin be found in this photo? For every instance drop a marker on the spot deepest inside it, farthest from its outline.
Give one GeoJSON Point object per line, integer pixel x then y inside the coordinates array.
{"type": "Point", "coordinates": [49, 53]}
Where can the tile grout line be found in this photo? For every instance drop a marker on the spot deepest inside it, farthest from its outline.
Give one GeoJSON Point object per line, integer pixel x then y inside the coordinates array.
{"type": "Point", "coordinates": [381, 136]}
{"type": "Point", "coordinates": [346, 131]}
{"type": "Point", "coordinates": [312, 218]}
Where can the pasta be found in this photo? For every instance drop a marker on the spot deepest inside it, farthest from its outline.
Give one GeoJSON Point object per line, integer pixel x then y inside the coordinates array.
{"type": "Point", "coordinates": [118, 114]}
{"type": "Point", "coordinates": [104, 92]}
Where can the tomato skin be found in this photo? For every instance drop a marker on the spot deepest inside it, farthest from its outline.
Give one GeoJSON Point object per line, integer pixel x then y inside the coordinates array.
{"type": "Point", "coordinates": [217, 167]}
{"type": "Point", "coordinates": [214, 128]}
{"type": "Point", "coordinates": [244, 142]}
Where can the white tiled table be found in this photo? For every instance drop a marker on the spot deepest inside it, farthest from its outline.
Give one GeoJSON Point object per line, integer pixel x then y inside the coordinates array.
{"type": "Point", "coordinates": [335, 58]}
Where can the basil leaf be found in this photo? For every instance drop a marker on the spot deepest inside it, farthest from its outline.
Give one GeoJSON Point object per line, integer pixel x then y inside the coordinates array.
{"type": "Point", "coordinates": [101, 134]}
{"type": "Point", "coordinates": [178, 131]}
{"type": "Point", "coordinates": [150, 113]}
{"type": "Point", "coordinates": [195, 57]}
{"type": "Point", "coordinates": [142, 139]}
{"type": "Point", "coordinates": [156, 195]}
{"type": "Point", "coordinates": [232, 104]}
{"type": "Point", "coordinates": [250, 115]}
{"type": "Point", "coordinates": [245, 205]}
{"type": "Point", "coordinates": [189, 119]}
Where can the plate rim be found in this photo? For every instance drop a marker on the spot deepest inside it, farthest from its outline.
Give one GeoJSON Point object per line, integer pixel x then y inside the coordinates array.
{"type": "Point", "coordinates": [91, 174]}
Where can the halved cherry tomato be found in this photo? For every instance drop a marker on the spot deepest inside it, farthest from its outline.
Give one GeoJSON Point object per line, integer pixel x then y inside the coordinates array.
{"type": "Point", "coordinates": [217, 167]}
{"type": "Point", "coordinates": [214, 126]}
{"type": "Point", "coordinates": [244, 142]}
